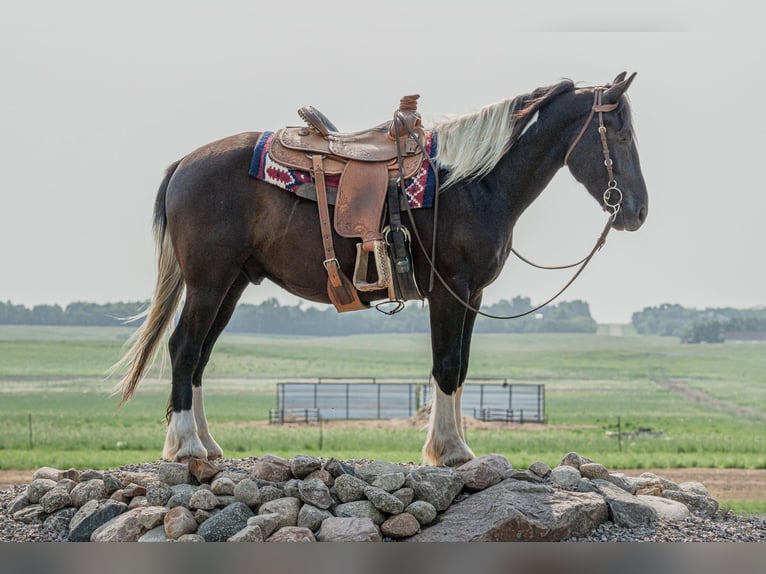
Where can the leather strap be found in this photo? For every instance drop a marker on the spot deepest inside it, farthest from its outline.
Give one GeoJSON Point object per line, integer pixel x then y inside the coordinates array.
{"type": "Point", "coordinates": [340, 290]}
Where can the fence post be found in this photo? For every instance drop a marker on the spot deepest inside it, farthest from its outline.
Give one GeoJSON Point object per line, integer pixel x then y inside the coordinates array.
{"type": "Point", "coordinates": [619, 433]}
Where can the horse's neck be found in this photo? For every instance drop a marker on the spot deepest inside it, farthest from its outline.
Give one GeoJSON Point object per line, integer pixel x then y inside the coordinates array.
{"type": "Point", "coordinates": [530, 165]}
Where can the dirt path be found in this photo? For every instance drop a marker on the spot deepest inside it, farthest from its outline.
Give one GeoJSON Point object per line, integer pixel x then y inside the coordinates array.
{"type": "Point", "coordinates": [724, 484]}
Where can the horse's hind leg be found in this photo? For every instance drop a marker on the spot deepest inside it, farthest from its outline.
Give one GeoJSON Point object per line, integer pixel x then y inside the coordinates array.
{"type": "Point", "coordinates": [197, 318]}
{"type": "Point", "coordinates": [224, 314]}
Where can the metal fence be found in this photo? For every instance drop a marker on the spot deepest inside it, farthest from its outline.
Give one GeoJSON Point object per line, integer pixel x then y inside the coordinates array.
{"type": "Point", "coordinates": [367, 399]}
{"type": "Point", "coordinates": [499, 400]}
{"type": "Point", "coordinates": [362, 399]}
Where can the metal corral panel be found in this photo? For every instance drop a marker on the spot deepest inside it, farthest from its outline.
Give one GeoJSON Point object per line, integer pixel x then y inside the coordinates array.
{"type": "Point", "coordinates": [350, 400]}
{"type": "Point", "coordinates": [524, 402]}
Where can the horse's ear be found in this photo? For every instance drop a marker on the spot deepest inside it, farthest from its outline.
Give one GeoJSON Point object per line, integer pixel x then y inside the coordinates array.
{"type": "Point", "coordinates": [620, 77]}
{"type": "Point", "coordinates": [613, 94]}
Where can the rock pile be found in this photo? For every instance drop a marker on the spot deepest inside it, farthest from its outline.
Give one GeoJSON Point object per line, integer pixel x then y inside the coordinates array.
{"type": "Point", "coordinates": [309, 499]}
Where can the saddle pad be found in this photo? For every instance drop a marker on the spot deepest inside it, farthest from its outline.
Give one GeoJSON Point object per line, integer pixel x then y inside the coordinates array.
{"type": "Point", "coordinates": [419, 188]}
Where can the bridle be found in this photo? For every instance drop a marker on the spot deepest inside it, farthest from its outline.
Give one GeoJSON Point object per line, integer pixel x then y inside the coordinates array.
{"type": "Point", "coordinates": [611, 205]}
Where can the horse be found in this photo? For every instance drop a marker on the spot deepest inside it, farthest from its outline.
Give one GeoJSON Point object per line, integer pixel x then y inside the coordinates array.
{"type": "Point", "coordinates": [218, 230]}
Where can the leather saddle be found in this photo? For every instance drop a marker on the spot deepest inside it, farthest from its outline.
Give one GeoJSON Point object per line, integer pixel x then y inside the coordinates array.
{"type": "Point", "coordinates": [368, 162]}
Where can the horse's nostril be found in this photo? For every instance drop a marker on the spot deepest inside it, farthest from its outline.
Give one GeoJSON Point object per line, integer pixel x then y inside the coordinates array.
{"type": "Point", "coordinates": [642, 214]}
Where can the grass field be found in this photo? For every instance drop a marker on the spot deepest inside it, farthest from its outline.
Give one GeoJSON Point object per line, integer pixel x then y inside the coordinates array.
{"type": "Point", "coordinates": [706, 404]}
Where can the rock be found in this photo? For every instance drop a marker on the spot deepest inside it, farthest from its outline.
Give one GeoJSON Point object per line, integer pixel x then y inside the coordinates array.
{"type": "Point", "coordinates": [623, 482]}
{"type": "Point", "coordinates": [484, 471]}
{"type": "Point", "coordinates": [315, 492]}
{"type": "Point", "coordinates": [202, 469]}
{"type": "Point", "coordinates": [112, 484]}
{"type": "Point", "coordinates": [182, 494]}
{"type": "Point", "coordinates": [246, 491]}
{"type": "Point", "coordinates": [70, 474]}
{"type": "Point", "coordinates": [225, 500]}
{"type": "Point", "coordinates": [286, 508]}
{"type": "Point", "coordinates": [525, 475]}
{"type": "Point", "coordinates": [337, 468]}
{"type": "Point", "coordinates": [201, 515]}
{"type": "Point", "coordinates": [55, 499]}
{"type": "Point", "coordinates": [566, 477]}
{"type": "Point", "coordinates": [292, 534]}
{"type": "Point", "coordinates": [93, 489]}
{"type": "Point", "coordinates": [423, 511]}
{"type": "Point", "coordinates": [142, 478]}
{"type": "Point", "coordinates": [91, 515]}
{"type": "Point", "coordinates": [694, 488]}
{"type": "Point", "coordinates": [156, 534]}
{"type": "Point", "coordinates": [360, 509]}
{"type": "Point", "coordinates": [191, 538]}
{"type": "Point", "coordinates": [650, 486]}
{"type": "Point", "coordinates": [517, 511]}
{"type": "Point", "coordinates": [303, 465]}
{"type": "Point", "coordinates": [593, 470]}
{"type": "Point", "coordinates": [435, 484]}
{"type": "Point", "coordinates": [625, 509]}
{"type": "Point", "coordinates": [540, 469]}
{"type": "Point", "coordinates": [665, 508]}
{"type": "Point", "coordinates": [31, 514]}
{"type": "Point", "coordinates": [157, 493]}
{"type": "Point", "coordinates": [700, 505]}
{"type": "Point", "coordinates": [272, 468]}
{"type": "Point", "coordinates": [226, 523]}
{"type": "Point", "coordinates": [152, 516]}
{"type": "Point", "coordinates": [322, 475]}
{"type": "Point", "coordinates": [137, 502]}
{"type": "Point", "coordinates": [349, 529]}
{"type": "Point", "coordinates": [46, 473]}
{"type": "Point", "coordinates": [59, 521]}
{"type": "Point", "coordinates": [67, 484]}
{"type": "Point", "coordinates": [349, 488]}
{"type": "Point", "coordinates": [38, 488]}
{"type": "Point", "coordinates": [384, 501]}
{"type": "Point", "coordinates": [173, 473]}
{"type": "Point", "coordinates": [248, 534]}
{"type": "Point", "coordinates": [575, 460]}
{"type": "Point", "coordinates": [203, 499]}
{"type": "Point", "coordinates": [18, 503]}
{"type": "Point", "coordinates": [91, 474]}
{"type": "Point", "coordinates": [291, 488]}
{"type": "Point", "coordinates": [269, 493]}
{"type": "Point", "coordinates": [389, 482]}
{"type": "Point", "coordinates": [400, 526]}
{"type": "Point", "coordinates": [666, 484]}
{"type": "Point", "coordinates": [123, 528]}
{"type": "Point", "coordinates": [369, 472]}
{"type": "Point", "coordinates": [223, 486]}
{"type": "Point", "coordinates": [268, 522]}
{"type": "Point", "coordinates": [179, 521]}
{"type": "Point", "coordinates": [406, 495]}
{"type": "Point", "coordinates": [312, 517]}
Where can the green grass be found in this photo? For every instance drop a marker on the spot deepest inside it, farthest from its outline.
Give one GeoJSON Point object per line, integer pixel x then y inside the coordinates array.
{"type": "Point", "coordinates": [56, 376]}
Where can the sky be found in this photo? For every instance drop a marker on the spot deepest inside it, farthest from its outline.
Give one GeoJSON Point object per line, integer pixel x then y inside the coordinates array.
{"type": "Point", "coordinates": [97, 99]}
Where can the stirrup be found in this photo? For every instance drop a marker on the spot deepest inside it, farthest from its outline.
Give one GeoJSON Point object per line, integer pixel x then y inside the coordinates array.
{"type": "Point", "coordinates": [382, 267]}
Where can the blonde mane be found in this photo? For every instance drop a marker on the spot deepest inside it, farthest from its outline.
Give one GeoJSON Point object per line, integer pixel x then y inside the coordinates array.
{"type": "Point", "coordinates": [470, 146]}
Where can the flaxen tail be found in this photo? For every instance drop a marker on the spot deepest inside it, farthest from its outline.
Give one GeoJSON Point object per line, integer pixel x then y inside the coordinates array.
{"type": "Point", "coordinates": [159, 316]}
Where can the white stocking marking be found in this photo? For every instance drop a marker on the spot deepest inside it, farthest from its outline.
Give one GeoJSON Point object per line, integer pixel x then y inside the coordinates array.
{"type": "Point", "coordinates": [181, 440]}
{"type": "Point", "coordinates": [212, 447]}
{"type": "Point", "coordinates": [444, 446]}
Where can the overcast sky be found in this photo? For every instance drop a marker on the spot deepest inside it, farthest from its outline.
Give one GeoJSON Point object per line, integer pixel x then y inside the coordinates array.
{"type": "Point", "coordinates": [98, 98]}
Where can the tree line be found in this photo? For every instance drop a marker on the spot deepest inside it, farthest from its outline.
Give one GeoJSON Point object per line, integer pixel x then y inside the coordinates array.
{"type": "Point", "coordinates": [271, 317]}
{"type": "Point", "coordinates": [711, 325]}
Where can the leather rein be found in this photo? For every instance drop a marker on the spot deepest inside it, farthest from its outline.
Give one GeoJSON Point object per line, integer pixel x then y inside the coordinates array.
{"type": "Point", "coordinates": [610, 204]}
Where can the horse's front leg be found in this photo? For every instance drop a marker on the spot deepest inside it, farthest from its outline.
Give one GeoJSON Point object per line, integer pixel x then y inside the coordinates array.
{"type": "Point", "coordinates": [444, 442]}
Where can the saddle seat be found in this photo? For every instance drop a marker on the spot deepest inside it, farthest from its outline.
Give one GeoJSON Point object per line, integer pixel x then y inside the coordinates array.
{"type": "Point", "coordinates": [368, 162]}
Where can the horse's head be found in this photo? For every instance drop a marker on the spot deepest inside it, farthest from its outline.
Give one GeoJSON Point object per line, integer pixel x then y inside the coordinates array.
{"type": "Point", "coordinates": [603, 155]}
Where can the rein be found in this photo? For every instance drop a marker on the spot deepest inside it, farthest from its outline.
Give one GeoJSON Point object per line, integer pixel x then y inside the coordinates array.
{"type": "Point", "coordinates": [612, 206]}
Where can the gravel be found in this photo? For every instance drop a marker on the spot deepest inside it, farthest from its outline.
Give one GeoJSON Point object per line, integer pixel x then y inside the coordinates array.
{"type": "Point", "coordinates": [723, 527]}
